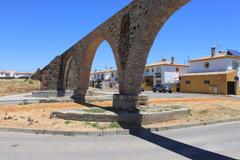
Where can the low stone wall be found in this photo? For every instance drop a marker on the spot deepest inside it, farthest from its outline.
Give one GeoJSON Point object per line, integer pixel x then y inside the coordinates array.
{"type": "Point", "coordinates": [66, 93]}
{"type": "Point", "coordinates": [137, 118]}
{"type": "Point", "coordinates": [52, 93]}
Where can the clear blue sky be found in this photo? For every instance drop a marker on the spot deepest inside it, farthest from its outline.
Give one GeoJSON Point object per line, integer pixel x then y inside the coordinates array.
{"type": "Point", "coordinates": [33, 32]}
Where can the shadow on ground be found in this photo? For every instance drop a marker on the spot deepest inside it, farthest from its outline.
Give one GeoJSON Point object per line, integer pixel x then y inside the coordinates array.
{"type": "Point", "coordinates": [177, 147]}
{"type": "Point", "coordinates": [180, 148]}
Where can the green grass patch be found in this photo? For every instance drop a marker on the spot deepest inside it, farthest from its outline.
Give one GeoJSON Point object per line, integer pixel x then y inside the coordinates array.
{"type": "Point", "coordinates": [114, 125]}
{"type": "Point", "coordinates": [67, 122]}
{"type": "Point", "coordinates": [94, 110]}
{"type": "Point", "coordinates": [99, 126]}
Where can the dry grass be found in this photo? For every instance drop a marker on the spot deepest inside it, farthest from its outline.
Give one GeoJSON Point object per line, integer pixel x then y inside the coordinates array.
{"type": "Point", "coordinates": [201, 110]}
{"type": "Point", "coordinates": [16, 86]}
{"type": "Point", "coordinates": [37, 116]}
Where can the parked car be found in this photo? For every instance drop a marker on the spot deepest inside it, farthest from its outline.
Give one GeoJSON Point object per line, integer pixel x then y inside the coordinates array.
{"type": "Point", "coordinates": [99, 86]}
{"type": "Point", "coordinates": [162, 88]}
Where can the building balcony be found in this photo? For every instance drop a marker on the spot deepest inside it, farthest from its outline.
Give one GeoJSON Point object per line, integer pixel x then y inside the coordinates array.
{"type": "Point", "coordinates": [158, 75]}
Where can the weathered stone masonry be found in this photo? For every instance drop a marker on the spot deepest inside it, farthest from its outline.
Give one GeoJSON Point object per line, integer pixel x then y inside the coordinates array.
{"type": "Point", "coordinates": [130, 33]}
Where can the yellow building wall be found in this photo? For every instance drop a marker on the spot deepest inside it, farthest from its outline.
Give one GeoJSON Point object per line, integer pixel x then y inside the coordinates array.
{"type": "Point", "coordinates": [238, 91]}
{"type": "Point", "coordinates": [174, 87]}
{"type": "Point", "coordinates": [217, 82]}
{"type": "Point", "coordinates": [231, 77]}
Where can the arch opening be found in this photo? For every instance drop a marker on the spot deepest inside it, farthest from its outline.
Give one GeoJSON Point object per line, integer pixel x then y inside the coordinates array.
{"type": "Point", "coordinates": [85, 68]}
{"type": "Point", "coordinates": [172, 43]}
{"type": "Point", "coordinates": [104, 72]}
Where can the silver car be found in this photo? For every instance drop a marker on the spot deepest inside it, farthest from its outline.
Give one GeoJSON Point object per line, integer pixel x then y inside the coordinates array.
{"type": "Point", "coordinates": [162, 88]}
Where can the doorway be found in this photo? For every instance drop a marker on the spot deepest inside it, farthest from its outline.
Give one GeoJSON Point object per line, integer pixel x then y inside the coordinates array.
{"type": "Point", "coordinates": [231, 88]}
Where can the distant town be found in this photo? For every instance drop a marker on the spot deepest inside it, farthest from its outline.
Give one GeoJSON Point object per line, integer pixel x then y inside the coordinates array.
{"type": "Point", "coordinates": [7, 74]}
{"type": "Point", "coordinates": [217, 73]}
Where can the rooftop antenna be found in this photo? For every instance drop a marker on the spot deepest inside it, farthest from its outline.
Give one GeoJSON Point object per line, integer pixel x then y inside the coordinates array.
{"type": "Point", "coordinates": [188, 59]}
{"type": "Point", "coordinates": [218, 47]}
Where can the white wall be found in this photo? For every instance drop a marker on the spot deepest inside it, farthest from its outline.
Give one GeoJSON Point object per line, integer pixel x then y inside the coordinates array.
{"type": "Point", "coordinates": [150, 73]}
{"type": "Point", "coordinates": [17, 75]}
{"type": "Point", "coordinates": [215, 65]}
{"type": "Point", "coordinates": [107, 76]}
{"type": "Point", "coordinates": [170, 77]}
{"type": "Point", "coordinates": [3, 75]}
{"type": "Point", "coordinates": [168, 73]}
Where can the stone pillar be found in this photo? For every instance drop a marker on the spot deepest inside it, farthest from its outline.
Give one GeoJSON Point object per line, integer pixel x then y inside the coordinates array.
{"type": "Point", "coordinates": [125, 102]}
{"type": "Point", "coordinates": [79, 95]}
{"type": "Point", "coordinates": [129, 103]}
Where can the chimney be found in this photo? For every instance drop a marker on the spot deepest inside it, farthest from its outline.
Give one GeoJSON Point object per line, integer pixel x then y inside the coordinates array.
{"type": "Point", "coordinates": [172, 60]}
{"type": "Point", "coordinates": [213, 51]}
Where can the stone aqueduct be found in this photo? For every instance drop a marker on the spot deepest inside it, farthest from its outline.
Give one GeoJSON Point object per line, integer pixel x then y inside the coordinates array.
{"type": "Point", "coordinates": [131, 33]}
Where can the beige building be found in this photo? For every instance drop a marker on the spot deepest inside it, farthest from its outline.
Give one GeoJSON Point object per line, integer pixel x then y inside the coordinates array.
{"type": "Point", "coordinates": [215, 74]}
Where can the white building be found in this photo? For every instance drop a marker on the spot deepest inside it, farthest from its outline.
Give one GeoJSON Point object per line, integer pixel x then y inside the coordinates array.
{"type": "Point", "coordinates": [108, 78]}
{"type": "Point", "coordinates": [7, 74]}
{"type": "Point", "coordinates": [216, 74]}
{"type": "Point", "coordinates": [4, 74]}
{"type": "Point", "coordinates": [164, 72]}
{"type": "Point", "coordinates": [222, 61]}
{"type": "Point", "coordinates": [22, 75]}
{"type": "Point", "coordinates": [14, 74]}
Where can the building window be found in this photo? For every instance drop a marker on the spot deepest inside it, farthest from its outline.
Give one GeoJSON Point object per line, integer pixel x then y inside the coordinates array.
{"type": "Point", "coordinates": [112, 75]}
{"type": "Point", "coordinates": [147, 70]}
{"type": "Point", "coordinates": [152, 70]}
{"type": "Point", "coordinates": [206, 82]}
{"type": "Point", "coordinates": [158, 82]}
{"type": "Point", "coordinates": [158, 75]}
{"type": "Point", "coordinates": [235, 64]}
{"type": "Point", "coordinates": [188, 82]}
{"type": "Point", "coordinates": [102, 76]}
{"type": "Point", "coordinates": [177, 69]}
{"type": "Point", "coordinates": [206, 64]}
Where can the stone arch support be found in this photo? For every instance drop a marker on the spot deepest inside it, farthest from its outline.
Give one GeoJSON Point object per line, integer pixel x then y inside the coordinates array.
{"type": "Point", "coordinates": [90, 49]}
{"type": "Point", "coordinates": [130, 33]}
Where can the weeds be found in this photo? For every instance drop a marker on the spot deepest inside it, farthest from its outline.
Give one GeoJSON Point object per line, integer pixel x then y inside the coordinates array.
{"type": "Point", "coordinates": [94, 110]}
{"type": "Point", "coordinates": [114, 125]}
{"type": "Point", "coordinates": [204, 112]}
{"type": "Point", "coordinates": [68, 122]}
{"type": "Point", "coordinates": [96, 125]}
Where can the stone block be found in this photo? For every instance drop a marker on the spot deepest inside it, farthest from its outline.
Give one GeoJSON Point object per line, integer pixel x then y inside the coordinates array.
{"type": "Point", "coordinates": [125, 102]}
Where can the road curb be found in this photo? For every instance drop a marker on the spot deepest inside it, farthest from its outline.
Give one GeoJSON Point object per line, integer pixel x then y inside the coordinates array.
{"type": "Point", "coordinates": [110, 133]}
{"type": "Point", "coordinates": [68, 133]}
{"type": "Point", "coordinates": [193, 125]}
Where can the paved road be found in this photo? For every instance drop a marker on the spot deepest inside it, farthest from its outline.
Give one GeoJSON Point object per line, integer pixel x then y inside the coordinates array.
{"type": "Point", "coordinates": [18, 99]}
{"type": "Point", "coordinates": [179, 95]}
{"type": "Point", "coordinates": [220, 142]}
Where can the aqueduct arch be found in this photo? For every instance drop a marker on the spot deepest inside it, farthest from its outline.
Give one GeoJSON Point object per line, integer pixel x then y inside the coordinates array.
{"type": "Point", "coordinates": [86, 65]}
{"type": "Point", "coordinates": [131, 33]}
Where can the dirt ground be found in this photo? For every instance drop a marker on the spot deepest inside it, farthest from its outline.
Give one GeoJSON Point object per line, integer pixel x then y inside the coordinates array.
{"type": "Point", "coordinates": [37, 116]}
{"type": "Point", "coordinates": [16, 86]}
